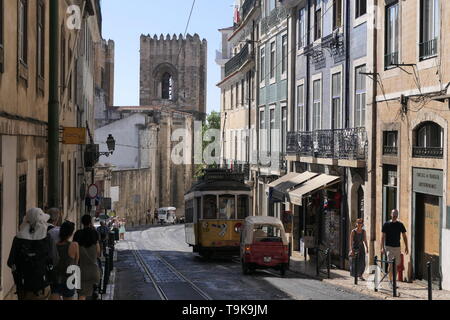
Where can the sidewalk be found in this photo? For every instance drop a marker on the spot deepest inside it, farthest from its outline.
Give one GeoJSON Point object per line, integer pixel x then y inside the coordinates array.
{"type": "Point", "coordinates": [407, 291]}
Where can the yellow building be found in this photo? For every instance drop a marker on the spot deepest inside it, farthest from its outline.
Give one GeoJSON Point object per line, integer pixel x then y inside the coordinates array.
{"type": "Point", "coordinates": [24, 95]}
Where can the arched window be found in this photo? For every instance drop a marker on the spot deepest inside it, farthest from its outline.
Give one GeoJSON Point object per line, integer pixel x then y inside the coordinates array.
{"type": "Point", "coordinates": [429, 141]}
{"type": "Point", "coordinates": [167, 86]}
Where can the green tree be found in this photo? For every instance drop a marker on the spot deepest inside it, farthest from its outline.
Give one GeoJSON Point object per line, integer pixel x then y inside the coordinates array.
{"type": "Point", "coordinates": [212, 122]}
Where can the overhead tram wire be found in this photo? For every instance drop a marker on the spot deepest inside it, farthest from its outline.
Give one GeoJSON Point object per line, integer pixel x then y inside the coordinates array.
{"type": "Point", "coordinates": [187, 26]}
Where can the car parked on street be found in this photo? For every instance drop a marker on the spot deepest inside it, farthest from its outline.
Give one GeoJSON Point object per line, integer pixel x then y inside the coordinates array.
{"type": "Point", "coordinates": [264, 245]}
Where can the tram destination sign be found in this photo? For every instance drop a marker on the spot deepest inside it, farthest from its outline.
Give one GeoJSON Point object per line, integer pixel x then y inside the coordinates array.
{"type": "Point", "coordinates": [428, 181]}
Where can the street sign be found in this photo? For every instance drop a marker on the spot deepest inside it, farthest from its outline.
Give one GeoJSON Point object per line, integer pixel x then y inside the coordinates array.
{"type": "Point", "coordinates": [74, 136]}
{"type": "Point", "coordinates": [92, 191]}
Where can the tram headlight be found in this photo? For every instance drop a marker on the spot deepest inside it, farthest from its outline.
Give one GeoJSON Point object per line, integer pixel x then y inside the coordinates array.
{"type": "Point", "coordinates": [237, 227]}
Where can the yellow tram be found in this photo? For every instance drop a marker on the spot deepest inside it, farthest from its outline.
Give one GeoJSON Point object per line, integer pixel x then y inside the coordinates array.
{"type": "Point", "coordinates": [216, 207]}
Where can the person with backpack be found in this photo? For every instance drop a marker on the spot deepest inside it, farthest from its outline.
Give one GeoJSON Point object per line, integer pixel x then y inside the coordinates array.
{"type": "Point", "coordinates": [87, 239]}
{"type": "Point", "coordinates": [68, 253]}
{"type": "Point", "coordinates": [31, 257]}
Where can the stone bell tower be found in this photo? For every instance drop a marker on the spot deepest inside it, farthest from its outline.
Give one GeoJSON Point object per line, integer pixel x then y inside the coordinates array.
{"type": "Point", "coordinates": [173, 73]}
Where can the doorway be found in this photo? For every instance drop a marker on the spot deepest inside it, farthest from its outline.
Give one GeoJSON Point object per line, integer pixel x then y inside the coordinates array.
{"type": "Point", "coordinates": [427, 236]}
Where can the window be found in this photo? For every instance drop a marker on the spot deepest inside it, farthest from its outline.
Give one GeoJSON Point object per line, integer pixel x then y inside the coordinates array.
{"type": "Point", "coordinates": [392, 35]}
{"type": "Point", "coordinates": [189, 211]}
{"type": "Point", "coordinates": [69, 183]}
{"type": "Point", "coordinates": [272, 59]}
{"type": "Point", "coordinates": [210, 207]}
{"type": "Point", "coordinates": [300, 108]}
{"type": "Point", "coordinates": [284, 54]}
{"type": "Point", "coordinates": [40, 39]}
{"type": "Point", "coordinates": [262, 65]}
{"type": "Point", "coordinates": [22, 198]}
{"type": "Point", "coordinates": [267, 233]}
{"type": "Point", "coordinates": [167, 87]}
{"type": "Point", "coordinates": [232, 97]}
{"type": "Point", "coordinates": [23, 31]}
{"type": "Point", "coordinates": [360, 97]}
{"type": "Point", "coordinates": [227, 207]}
{"type": "Point", "coordinates": [40, 188]}
{"type": "Point", "coordinates": [243, 92]}
{"type": "Point", "coordinates": [336, 100]}
{"type": "Point", "coordinates": [337, 14]}
{"type": "Point", "coordinates": [429, 28]}
{"type": "Point", "coordinates": [317, 19]}
{"type": "Point", "coordinates": [302, 28]}
{"type": "Point", "coordinates": [283, 129]}
{"type": "Point", "coordinates": [242, 207]}
{"type": "Point", "coordinates": [317, 102]}
{"type": "Point", "coordinates": [360, 8]}
{"type": "Point", "coordinates": [390, 142]}
{"type": "Point", "coordinates": [271, 130]}
{"type": "Point", "coordinates": [270, 6]}
{"type": "Point", "coordinates": [262, 127]}
{"type": "Point", "coordinates": [237, 95]}
{"type": "Point", "coordinates": [429, 141]}
{"type": "Point", "coordinates": [1, 36]}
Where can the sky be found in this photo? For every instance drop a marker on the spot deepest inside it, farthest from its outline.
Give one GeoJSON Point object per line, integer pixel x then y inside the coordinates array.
{"type": "Point", "coordinates": [125, 21]}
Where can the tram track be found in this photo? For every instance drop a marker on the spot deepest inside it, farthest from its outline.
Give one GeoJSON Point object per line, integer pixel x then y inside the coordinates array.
{"type": "Point", "coordinates": [163, 275]}
{"type": "Point", "coordinates": [202, 293]}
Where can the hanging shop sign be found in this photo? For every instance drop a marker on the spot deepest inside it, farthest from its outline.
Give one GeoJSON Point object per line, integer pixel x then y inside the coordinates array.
{"type": "Point", "coordinates": [75, 136]}
{"type": "Point", "coordinates": [92, 191]}
{"type": "Point", "coordinates": [428, 181]}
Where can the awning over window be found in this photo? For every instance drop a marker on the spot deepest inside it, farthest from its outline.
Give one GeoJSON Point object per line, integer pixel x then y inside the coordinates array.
{"type": "Point", "coordinates": [280, 187]}
{"type": "Point", "coordinates": [319, 182]}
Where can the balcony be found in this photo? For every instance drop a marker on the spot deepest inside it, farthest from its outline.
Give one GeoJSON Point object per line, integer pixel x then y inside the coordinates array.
{"type": "Point", "coordinates": [390, 59]}
{"type": "Point", "coordinates": [390, 151]}
{"type": "Point", "coordinates": [237, 61]}
{"type": "Point", "coordinates": [340, 144]}
{"type": "Point", "coordinates": [428, 152]}
{"type": "Point", "coordinates": [276, 16]}
{"type": "Point", "coordinates": [428, 49]}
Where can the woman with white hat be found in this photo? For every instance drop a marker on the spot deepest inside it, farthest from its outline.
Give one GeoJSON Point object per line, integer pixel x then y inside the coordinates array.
{"type": "Point", "coordinates": [31, 257]}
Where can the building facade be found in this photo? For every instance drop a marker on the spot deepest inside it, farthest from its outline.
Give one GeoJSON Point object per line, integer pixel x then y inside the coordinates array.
{"type": "Point", "coordinates": [24, 99]}
{"type": "Point", "coordinates": [412, 130]}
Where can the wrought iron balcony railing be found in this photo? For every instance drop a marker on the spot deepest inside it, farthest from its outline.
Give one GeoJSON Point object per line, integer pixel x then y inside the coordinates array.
{"type": "Point", "coordinates": [274, 18]}
{"type": "Point", "coordinates": [345, 144]}
{"type": "Point", "coordinates": [390, 150]}
{"type": "Point", "coordinates": [428, 152]}
{"type": "Point", "coordinates": [390, 59]}
{"type": "Point", "coordinates": [428, 48]}
{"type": "Point", "coordinates": [237, 61]}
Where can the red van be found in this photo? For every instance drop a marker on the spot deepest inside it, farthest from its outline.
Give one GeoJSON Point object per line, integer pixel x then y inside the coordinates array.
{"type": "Point", "coordinates": [264, 245]}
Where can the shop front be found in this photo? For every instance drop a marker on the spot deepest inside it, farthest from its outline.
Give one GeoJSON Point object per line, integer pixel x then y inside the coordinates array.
{"type": "Point", "coordinates": [428, 191]}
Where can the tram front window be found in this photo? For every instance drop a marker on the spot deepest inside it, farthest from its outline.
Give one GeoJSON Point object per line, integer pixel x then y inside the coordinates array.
{"type": "Point", "coordinates": [210, 207]}
{"type": "Point", "coordinates": [242, 207]}
{"type": "Point", "coordinates": [227, 207]}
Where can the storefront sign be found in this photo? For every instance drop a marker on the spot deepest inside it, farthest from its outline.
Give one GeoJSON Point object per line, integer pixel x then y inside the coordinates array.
{"type": "Point", "coordinates": [76, 136]}
{"type": "Point", "coordinates": [428, 181]}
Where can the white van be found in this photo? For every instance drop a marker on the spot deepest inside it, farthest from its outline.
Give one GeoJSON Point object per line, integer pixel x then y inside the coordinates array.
{"type": "Point", "coordinates": [167, 215]}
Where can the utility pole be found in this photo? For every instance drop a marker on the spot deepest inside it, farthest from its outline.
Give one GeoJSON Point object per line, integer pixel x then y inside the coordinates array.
{"type": "Point", "coordinates": [53, 109]}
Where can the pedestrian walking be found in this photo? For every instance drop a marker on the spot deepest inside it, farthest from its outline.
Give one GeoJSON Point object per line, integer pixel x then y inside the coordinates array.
{"type": "Point", "coordinates": [68, 253]}
{"type": "Point", "coordinates": [103, 232]}
{"type": "Point", "coordinates": [31, 257]}
{"type": "Point", "coordinates": [358, 241]}
{"type": "Point", "coordinates": [390, 241]}
{"type": "Point", "coordinates": [122, 229]}
{"type": "Point", "coordinates": [89, 248]}
{"type": "Point", "coordinates": [53, 229]}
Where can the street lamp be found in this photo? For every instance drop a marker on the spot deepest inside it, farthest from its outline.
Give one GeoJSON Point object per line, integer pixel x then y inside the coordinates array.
{"type": "Point", "coordinates": [111, 143]}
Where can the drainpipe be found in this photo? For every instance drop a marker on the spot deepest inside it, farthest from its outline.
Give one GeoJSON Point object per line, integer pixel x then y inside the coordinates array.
{"type": "Point", "coordinates": [53, 109]}
{"type": "Point", "coordinates": [306, 89]}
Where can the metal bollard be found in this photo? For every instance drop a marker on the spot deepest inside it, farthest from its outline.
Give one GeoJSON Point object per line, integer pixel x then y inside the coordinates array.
{"type": "Point", "coordinates": [317, 263]}
{"type": "Point", "coordinates": [394, 280]}
{"type": "Point", "coordinates": [376, 275]}
{"type": "Point", "coordinates": [329, 263]}
{"type": "Point", "coordinates": [430, 282]}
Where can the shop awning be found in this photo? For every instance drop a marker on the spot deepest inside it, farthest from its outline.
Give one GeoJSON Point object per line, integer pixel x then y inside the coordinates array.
{"type": "Point", "coordinates": [320, 182]}
{"type": "Point", "coordinates": [284, 184]}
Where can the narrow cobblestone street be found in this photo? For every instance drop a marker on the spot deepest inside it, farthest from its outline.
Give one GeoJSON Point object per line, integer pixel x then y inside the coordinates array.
{"type": "Point", "coordinates": [158, 257]}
